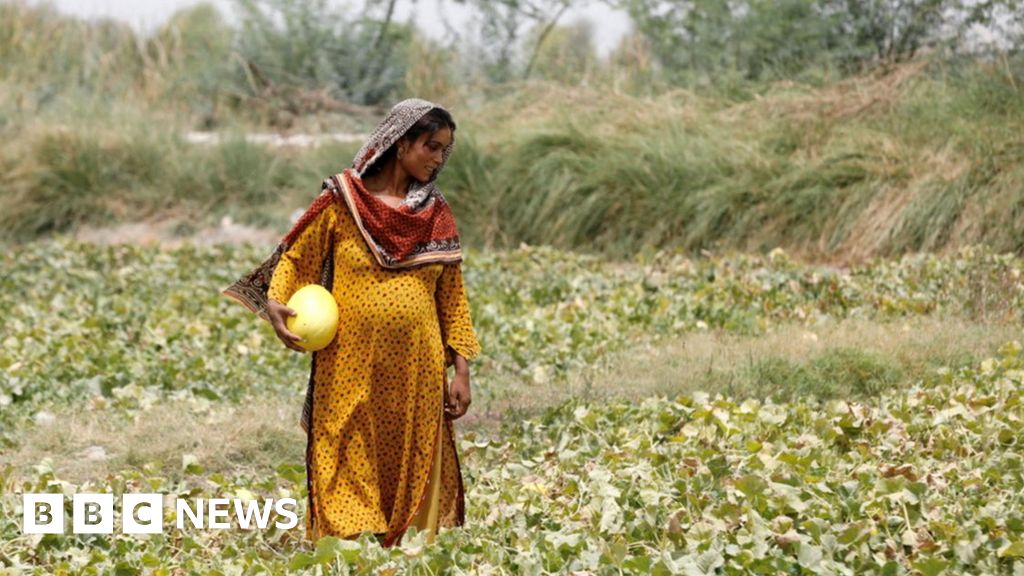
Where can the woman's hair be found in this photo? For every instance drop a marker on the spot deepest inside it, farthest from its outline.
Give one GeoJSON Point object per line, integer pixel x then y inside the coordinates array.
{"type": "Point", "coordinates": [431, 122]}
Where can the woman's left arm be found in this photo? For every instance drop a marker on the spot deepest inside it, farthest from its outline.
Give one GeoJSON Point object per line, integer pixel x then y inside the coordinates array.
{"type": "Point", "coordinates": [457, 335]}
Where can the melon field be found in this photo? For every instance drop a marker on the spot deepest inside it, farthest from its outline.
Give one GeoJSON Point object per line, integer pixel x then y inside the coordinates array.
{"type": "Point", "coordinates": [723, 414]}
{"type": "Point", "coordinates": [748, 282]}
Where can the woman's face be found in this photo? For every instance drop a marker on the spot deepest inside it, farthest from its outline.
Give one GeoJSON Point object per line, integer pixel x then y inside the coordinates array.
{"type": "Point", "coordinates": [421, 158]}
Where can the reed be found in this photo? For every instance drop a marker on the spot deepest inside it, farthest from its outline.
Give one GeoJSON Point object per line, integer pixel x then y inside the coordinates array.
{"type": "Point", "coordinates": [880, 165]}
{"type": "Point", "coordinates": [922, 157]}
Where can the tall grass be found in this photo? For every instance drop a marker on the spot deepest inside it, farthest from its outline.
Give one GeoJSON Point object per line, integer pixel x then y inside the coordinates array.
{"type": "Point", "coordinates": [52, 52]}
{"type": "Point", "coordinates": [54, 178]}
{"type": "Point", "coordinates": [927, 156]}
{"type": "Point", "coordinates": [929, 163]}
{"type": "Point", "coordinates": [908, 161]}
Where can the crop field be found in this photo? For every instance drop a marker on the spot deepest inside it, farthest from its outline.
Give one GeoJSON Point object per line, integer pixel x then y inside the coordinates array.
{"type": "Point", "coordinates": [747, 280]}
{"type": "Point", "coordinates": [725, 414]}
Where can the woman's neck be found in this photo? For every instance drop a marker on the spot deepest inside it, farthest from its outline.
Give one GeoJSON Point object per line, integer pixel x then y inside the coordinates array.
{"type": "Point", "coordinates": [392, 180]}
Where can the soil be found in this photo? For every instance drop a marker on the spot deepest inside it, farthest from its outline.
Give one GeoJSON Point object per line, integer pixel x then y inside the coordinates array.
{"type": "Point", "coordinates": [167, 234]}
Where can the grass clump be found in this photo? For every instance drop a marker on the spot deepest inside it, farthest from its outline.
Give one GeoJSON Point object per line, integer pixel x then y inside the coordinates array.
{"type": "Point", "coordinates": [878, 165]}
{"type": "Point", "coordinates": [854, 357]}
{"type": "Point", "coordinates": [57, 179]}
{"type": "Point", "coordinates": [74, 177]}
{"type": "Point", "coordinates": [835, 373]}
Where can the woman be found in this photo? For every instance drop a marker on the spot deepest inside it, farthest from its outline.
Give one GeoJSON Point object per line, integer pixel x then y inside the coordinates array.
{"type": "Point", "coordinates": [380, 453]}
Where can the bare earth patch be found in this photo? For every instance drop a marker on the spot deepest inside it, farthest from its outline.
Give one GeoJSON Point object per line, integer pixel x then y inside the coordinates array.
{"type": "Point", "coordinates": [710, 361]}
{"type": "Point", "coordinates": [163, 233]}
{"type": "Point", "coordinates": [255, 437]}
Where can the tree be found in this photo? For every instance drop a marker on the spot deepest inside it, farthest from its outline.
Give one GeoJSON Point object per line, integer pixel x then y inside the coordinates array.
{"type": "Point", "coordinates": [501, 26]}
{"type": "Point", "coordinates": [759, 39]}
{"type": "Point", "coordinates": [566, 55]}
{"type": "Point", "coordinates": [308, 44]}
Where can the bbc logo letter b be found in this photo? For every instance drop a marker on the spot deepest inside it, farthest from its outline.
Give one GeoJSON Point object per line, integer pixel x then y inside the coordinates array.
{"type": "Point", "coordinates": [92, 513]}
{"type": "Point", "coordinates": [42, 513]}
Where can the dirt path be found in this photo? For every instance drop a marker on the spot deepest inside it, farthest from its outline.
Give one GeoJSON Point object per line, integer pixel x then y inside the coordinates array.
{"type": "Point", "coordinates": [164, 234]}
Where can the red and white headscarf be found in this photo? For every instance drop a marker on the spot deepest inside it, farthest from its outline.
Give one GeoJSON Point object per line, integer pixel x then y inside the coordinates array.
{"type": "Point", "coordinates": [398, 121]}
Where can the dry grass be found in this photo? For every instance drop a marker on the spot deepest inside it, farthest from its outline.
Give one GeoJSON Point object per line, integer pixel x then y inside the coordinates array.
{"type": "Point", "coordinates": [255, 437]}
{"type": "Point", "coordinates": [870, 232]}
{"type": "Point", "coordinates": [879, 91]}
{"type": "Point", "coordinates": [727, 363]}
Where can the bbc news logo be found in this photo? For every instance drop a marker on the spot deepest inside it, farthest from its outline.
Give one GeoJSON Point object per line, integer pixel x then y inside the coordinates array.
{"type": "Point", "coordinates": [144, 513]}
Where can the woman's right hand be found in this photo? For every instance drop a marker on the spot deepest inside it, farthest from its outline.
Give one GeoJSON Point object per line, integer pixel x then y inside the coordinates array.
{"type": "Point", "coordinates": [278, 313]}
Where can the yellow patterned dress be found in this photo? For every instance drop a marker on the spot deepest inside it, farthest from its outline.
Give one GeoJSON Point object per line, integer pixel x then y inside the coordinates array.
{"type": "Point", "coordinates": [381, 455]}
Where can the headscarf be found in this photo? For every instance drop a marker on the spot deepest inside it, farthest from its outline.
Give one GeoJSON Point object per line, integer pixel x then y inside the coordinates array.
{"type": "Point", "coordinates": [421, 231]}
{"type": "Point", "coordinates": [398, 121]}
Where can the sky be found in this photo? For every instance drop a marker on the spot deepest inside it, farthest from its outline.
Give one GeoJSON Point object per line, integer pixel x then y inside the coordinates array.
{"type": "Point", "coordinates": [429, 15]}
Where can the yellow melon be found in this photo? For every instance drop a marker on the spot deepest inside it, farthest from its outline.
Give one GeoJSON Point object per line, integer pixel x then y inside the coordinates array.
{"type": "Point", "coordinates": [316, 316]}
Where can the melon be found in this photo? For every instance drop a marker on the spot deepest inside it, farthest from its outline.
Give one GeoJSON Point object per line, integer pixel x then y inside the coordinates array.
{"type": "Point", "coordinates": [316, 316]}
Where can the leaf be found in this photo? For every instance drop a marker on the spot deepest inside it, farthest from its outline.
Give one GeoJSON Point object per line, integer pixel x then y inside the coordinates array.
{"type": "Point", "coordinates": [751, 485]}
{"type": "Point", "coordinates": [909, 538]}
{"type": "Point", "coordinates": [190, 464]}
{"type": "Point", "coordinates": [710, 561]}
{"type": "Point", "coordinates": [302, 560]}
{"type": "Point", "coordinates": [790, 496]}
{"type": "Point", "coordinates": [1015, 550]}
{"type": "Point", "coordinates": [294, 473]}
{"type": "Point", "coordinates": [703, 564]}
{"type": "Point", "coordinates": [809, 556]}
{"type": "Point", "coordinates": [611, 517]}
{"type": "Point", "coordinates": [328, 548]}
{"type": "Point", "coordinates": [931, 566]}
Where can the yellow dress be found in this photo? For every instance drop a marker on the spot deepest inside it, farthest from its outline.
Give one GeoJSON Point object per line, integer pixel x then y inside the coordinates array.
{"type": "Point", "coordinates": [381, 455]}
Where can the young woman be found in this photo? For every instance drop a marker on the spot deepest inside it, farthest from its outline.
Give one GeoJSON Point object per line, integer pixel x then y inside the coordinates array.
{"type": "Point", "coordinates": [380, 454]}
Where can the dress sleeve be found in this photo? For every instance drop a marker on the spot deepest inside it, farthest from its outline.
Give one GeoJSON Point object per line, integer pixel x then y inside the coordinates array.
{"type": "Point", "coordinates": [453, 311]}
{"type": "Point", "coordinates": [300, 263]}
